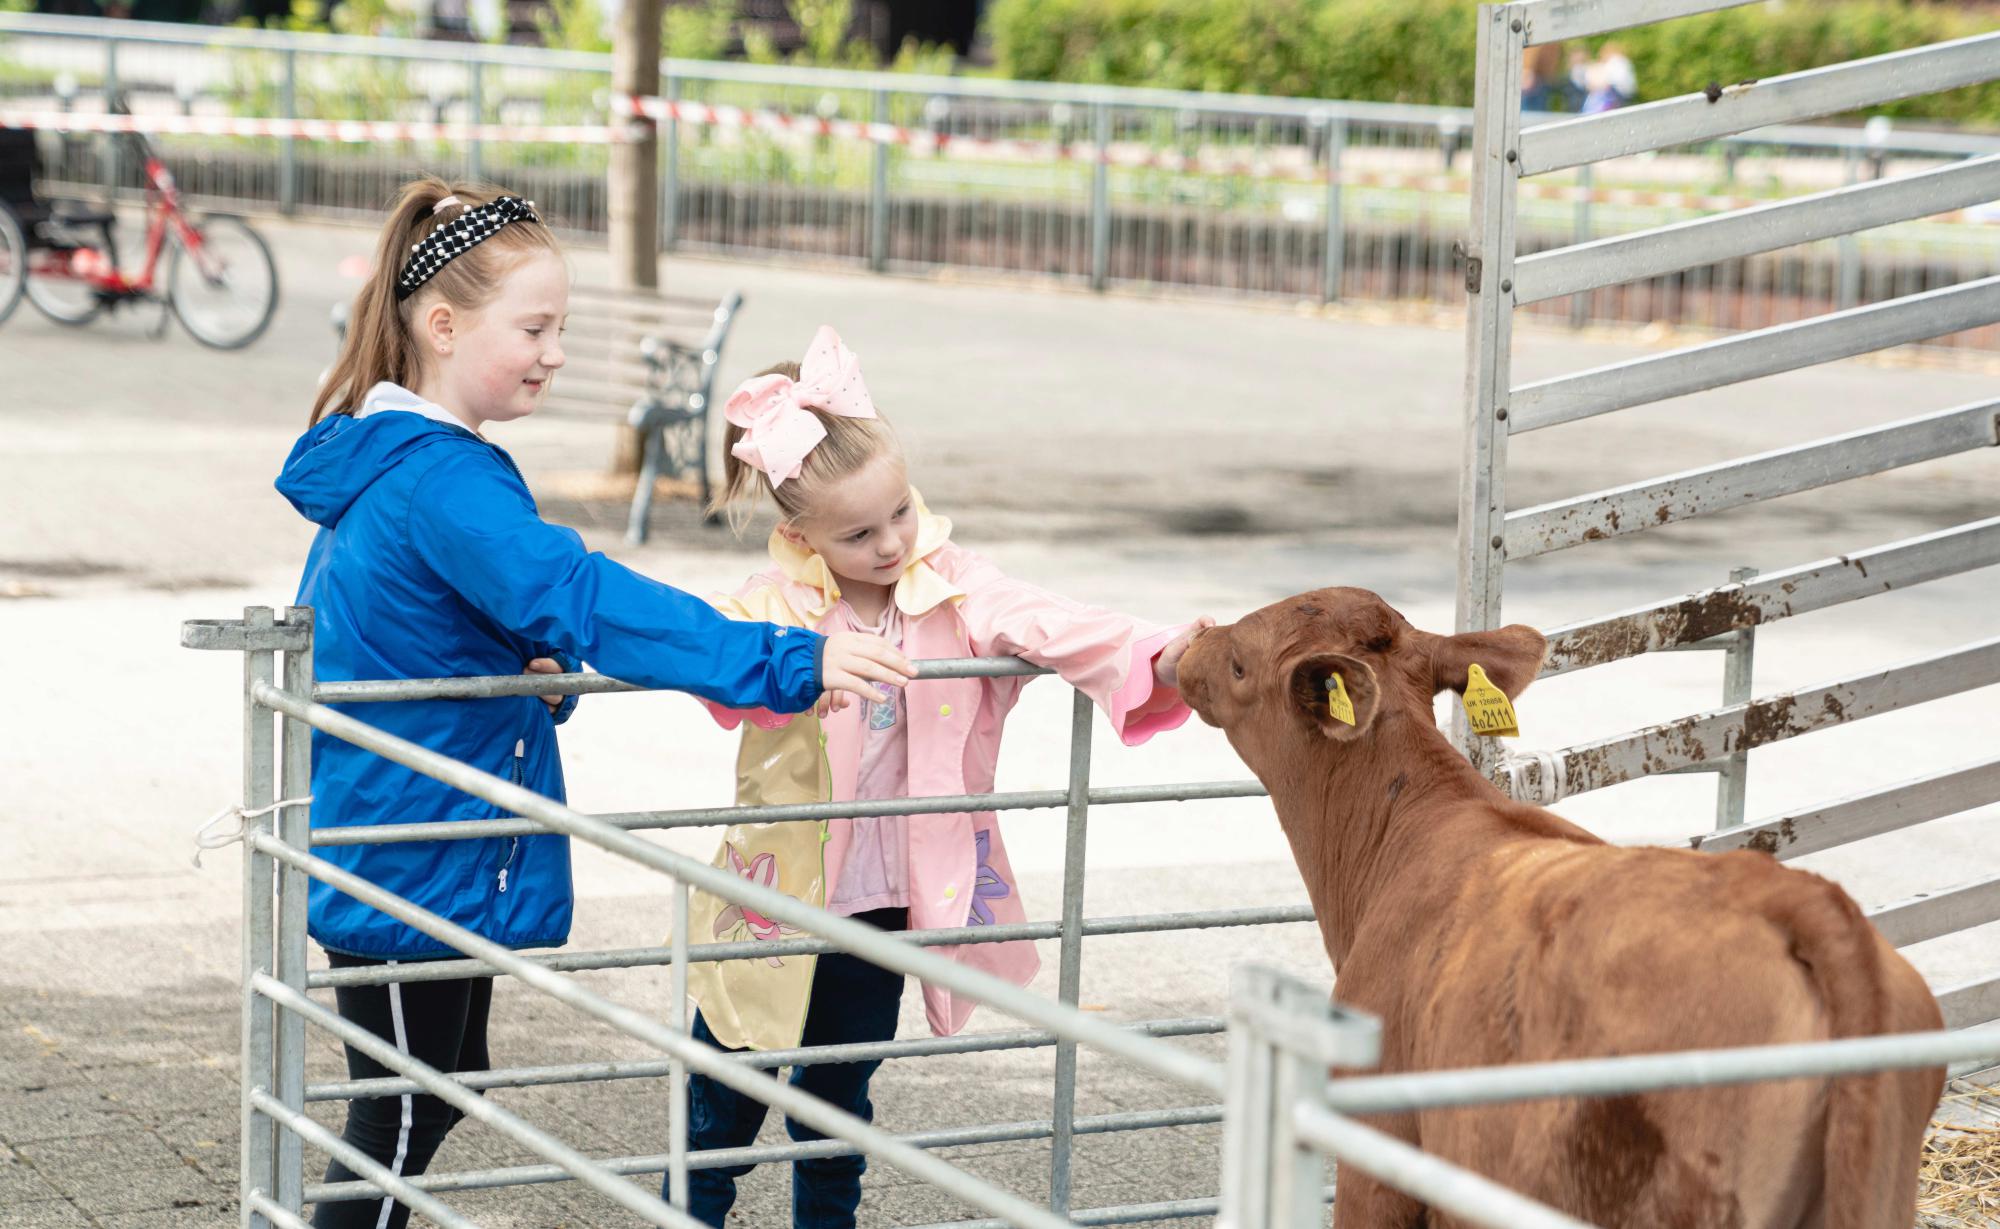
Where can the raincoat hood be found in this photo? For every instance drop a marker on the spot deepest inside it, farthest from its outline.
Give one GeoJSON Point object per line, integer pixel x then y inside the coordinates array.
{"type": "Point", "coordinates": [342, 455]}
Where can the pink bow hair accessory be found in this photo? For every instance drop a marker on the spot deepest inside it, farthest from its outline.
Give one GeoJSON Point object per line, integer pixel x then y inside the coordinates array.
{"type": "Point", "coordinates": [775, 412]}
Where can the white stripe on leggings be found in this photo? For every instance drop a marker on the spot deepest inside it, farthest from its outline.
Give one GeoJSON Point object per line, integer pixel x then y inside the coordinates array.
{"type": "Point", "coordinates": [402, 1135]}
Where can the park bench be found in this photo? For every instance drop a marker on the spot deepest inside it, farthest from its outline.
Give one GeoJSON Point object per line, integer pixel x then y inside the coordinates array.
{"type": "Point", "coordinates": [650, 359]}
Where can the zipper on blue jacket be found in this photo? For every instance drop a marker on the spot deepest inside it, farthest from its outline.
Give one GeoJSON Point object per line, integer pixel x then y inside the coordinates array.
{"type": "Point", "coordinates": [520, 778]}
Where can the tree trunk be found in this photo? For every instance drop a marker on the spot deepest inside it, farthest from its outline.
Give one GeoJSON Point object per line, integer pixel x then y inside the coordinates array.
{"type": "Point", "coordinates": [633, 195]}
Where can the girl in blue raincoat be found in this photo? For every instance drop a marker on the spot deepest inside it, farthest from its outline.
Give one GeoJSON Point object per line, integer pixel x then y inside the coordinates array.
{"type": "Point", "coordinates": [431, 561]}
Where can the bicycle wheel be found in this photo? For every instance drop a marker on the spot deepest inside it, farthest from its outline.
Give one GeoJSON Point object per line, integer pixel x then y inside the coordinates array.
{"type": "Point", "coordinates": [226, 290]}
{"type": "Point", "coordinates": [13, 263]}
{"type": "Point", "coordinates": [57, 283]}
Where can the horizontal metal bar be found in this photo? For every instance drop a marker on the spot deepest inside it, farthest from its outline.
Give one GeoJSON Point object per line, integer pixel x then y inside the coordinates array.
{"type": "Point", "coordinates": [1442, 1186]}
{"type": "Point", "coordinates": [1778, 100]}
{"type": "Point", "coordinates": [1844, 210]}
{"type": "Point", "coordinates": [1971, 1004]}
{"type": "Point", "coordinates": [1552, 21]}
{"type": "Point", "coordinates": [473, 1106]}
{"type": "Point", "coordinates": [385, 1181]}
{"type": "Point", "coordinates": [1752, 355]}
{"type": "Point", "coordinates": [951, 1137]}
{"type": "Point", "coordinates": [234, 635]}
{"type": "Point", "coordinates": [857, 937]}
{"type": "Point", "coordinates": [483, 687]}
{"type": "Point", "coordinates": [1767, 598]}
{"type": "Point", "coordinates": [701, 1059]}
{"type": "Point", "coordinates": [646, 1069]}
{"type": "Point", "coordinates": [1639, 506]}
{"type": "Point", "coordinates": [276, 1211]}
{"type": "Point", "coordinates": [1722, 732]}
{"type": "Point", "coordinates": [1610, 1077]}
{"type": "Point", "coordinates": [1939, 913]}
{"type": "Point", "coordinates": [646, 957]}
{"type": "Point", "coordinates": [1119, 1214]}
{"type": "Point", "coordinates": [704, 817]}
{"type": "Point", "coordinates": [1903, 805]}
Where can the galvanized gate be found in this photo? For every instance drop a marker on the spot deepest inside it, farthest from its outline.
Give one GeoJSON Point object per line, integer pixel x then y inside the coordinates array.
{"type": "Point", "coordinates": [1492, 533]}
{"type": "Point", "coordinates": [284, 703]}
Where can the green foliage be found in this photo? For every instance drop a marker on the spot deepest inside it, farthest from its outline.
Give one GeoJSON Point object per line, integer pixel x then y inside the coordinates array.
{"type": "Point", "coordinates": [573, 25]}
{"type": "Point", "coordinates": [698, 31]}
{"type": "Point", "coordinates": [1421, 51]}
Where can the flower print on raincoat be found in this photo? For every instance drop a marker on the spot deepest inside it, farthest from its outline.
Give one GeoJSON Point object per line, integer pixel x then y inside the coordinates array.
{"type": "Point", "coordinates": [761, 870]}
{"type": "Point", "coordinates": [987, 885]}
{"type": "Point", "coordinates": [955, 603]}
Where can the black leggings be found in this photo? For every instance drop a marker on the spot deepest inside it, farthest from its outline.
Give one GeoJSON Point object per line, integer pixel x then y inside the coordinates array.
{"type": "Point", "coordinates": [442, 1023]}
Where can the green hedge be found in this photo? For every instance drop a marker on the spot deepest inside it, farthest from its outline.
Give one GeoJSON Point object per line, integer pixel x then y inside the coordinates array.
{"type": "Point", "coordinates": [1421, 51]}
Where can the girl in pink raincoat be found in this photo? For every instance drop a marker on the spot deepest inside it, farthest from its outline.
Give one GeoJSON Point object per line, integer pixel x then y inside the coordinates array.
{"type": "Point", "coordinates": [858, 550]}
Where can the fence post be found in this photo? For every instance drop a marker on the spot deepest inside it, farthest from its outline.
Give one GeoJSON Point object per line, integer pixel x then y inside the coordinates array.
{"type": "Point", "coordinates": [288, 149]}
{"type": "Point", "coordinates": [1333, 269]}
{"type": "Point", "coordinates": [677, 1105]}
{"type": "Point", "coordinates": [670, 167]}
{"type": "Point", "coordinates": [878, 194]}
{"type": "Point", "coordinates": [107, 153]}
{"type": "Point", "coordinates": [1283, 1035]}
{"type": "Point", "coordinates": [475, 102]}
{"type": "Point", "coordinates": [1482, 491]}
{"type": "Point", "coordinates": [1738, 661]}
{"type": "Point", "coordinates": [1100, 198]}
{"type": "Point", "coordinates": [294, 825]}
{"type": "Point", "coordinates": [1070, 975]}
{"type": "Point", "coordinates": [257, 1175]}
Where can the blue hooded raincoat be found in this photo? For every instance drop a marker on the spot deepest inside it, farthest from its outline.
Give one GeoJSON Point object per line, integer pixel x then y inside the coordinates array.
{"type": "Point", "coordinates": [430, 562]}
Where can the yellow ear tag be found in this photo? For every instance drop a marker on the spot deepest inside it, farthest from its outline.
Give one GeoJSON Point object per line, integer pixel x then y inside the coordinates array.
{"type": "Point", "coordinates": [1338, 706]}
{"type": "Point", "coordinates": [1487, 707]}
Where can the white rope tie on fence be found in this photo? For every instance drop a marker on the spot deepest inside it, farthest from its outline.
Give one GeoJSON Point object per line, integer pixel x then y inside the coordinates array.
{"type": "Point", "coordinates": [1551, 777]}
{"type": "Point", "coordinates": [205, 837]}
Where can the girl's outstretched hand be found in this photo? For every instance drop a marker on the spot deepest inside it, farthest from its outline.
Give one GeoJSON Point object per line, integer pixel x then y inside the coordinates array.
{"type": "Point", "coordinates": [853, 664]}
{"type": "Point", "coordinates": [1167, 666]}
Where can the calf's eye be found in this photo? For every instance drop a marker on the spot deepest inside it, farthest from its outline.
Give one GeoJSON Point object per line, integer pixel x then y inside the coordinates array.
{"type": "Point", "coordinates": [1236, 668]}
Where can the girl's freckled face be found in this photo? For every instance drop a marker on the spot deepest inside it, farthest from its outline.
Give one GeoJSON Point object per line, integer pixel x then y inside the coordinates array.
{"type": "Point", "coordinates": [507, 352]}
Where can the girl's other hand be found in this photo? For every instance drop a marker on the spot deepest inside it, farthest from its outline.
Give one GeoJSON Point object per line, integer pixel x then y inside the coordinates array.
{"type": "Point", "coordinates": [1167, 666]}
{"type": "Point", "coordinates": [854, 663]}
{"type": "Point", "coordinates": [547, 665]}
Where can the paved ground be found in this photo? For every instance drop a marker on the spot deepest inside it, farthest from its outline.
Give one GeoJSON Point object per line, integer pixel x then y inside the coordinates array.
{"type": "Point", "coordinates": [1170, 458]}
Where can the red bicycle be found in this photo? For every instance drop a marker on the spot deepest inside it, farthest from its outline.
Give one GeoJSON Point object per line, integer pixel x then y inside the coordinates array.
{"type": "Point", "coordinates": [219, 281]}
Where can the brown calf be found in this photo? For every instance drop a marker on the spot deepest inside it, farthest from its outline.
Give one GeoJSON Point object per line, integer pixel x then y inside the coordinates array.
{"type": "Point", "coordinates": [1485, 931]}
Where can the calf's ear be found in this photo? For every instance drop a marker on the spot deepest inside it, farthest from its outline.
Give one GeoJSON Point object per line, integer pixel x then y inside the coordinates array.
{"type": "Point", "coordinates": [1511, 656]}
{"type": "Point", "coordinates": [1335, 694]}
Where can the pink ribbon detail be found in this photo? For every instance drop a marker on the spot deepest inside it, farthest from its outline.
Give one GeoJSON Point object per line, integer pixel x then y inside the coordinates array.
{"type": "Point", "coordinates": [775, 412]}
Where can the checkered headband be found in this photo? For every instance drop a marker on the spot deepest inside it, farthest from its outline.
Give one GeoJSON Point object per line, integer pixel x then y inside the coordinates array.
{"type": "Point", "coordinates": [457, 237]}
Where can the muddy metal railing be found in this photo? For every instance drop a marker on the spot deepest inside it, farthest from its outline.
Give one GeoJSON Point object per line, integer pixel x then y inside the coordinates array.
{"type": "Point", "coordinates": [1302, 199]}
{"type": "Point", "coordinates": [1506, 279]}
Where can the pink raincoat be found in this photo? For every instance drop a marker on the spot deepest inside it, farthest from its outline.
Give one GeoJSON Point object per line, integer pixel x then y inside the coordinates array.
{"type": "Point", "coordinates": [955, 604]}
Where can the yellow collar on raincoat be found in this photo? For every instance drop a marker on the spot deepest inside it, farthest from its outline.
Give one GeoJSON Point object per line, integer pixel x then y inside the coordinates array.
{"type": "Point", "coordinates": [919, 590]}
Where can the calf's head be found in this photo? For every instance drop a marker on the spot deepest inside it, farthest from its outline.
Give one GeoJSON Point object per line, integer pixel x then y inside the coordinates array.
{"type": "Point", "coordinates": [1265, 679]}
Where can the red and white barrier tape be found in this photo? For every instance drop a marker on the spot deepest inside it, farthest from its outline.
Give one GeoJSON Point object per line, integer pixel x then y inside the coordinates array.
{"type": "Point", "coordinates": [940, 144]}
{"type": "Point", "coordinates": [353, 132]}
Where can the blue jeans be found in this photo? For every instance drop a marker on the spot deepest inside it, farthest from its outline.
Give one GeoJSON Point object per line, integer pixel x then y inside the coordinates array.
{"type": "Point", "coordinates": [853, 1001]}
